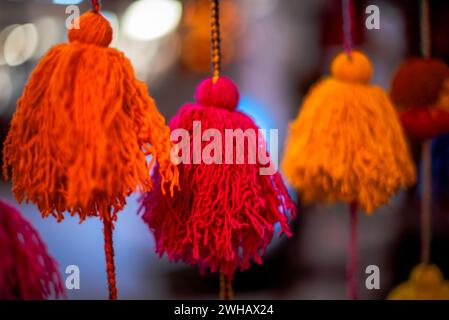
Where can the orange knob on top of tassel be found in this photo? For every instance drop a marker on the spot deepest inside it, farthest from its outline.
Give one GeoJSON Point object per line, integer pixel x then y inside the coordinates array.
{"type": "Point", "coordinates": [94, 29]}
{"type": "Point", "coordinates": [357, 68]}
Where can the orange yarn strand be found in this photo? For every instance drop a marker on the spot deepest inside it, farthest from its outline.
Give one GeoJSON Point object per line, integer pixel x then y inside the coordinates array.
{"type": "Point", "coordinates": [226, 291]}
{"type": "Point", "coordinates": [230, 291]}
{"type": "Point", "coordinates": [215, 38]}
{"type": "Point", "coordinates": [109, 253]}
{"type": "Point", "coordinates": [426, 153]}
{"type": "Point", "coordinates": [222, 286]}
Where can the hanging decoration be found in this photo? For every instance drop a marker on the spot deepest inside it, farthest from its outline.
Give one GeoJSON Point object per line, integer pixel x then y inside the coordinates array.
{"type": "Point", "coordinates": [426, 283]}
{"type": "Point", "coordinates": [82, 132]}
{"type": "Point", "coordinates": [420, 91]}
{"type": "Point", "coordinates": [347, 143]}
{"type": "Point", "coordinates": [196, 34]}
{"type": "Point", "coordinates": [225, 213]}
{"type": "Point", "coordinates": [27, 271]}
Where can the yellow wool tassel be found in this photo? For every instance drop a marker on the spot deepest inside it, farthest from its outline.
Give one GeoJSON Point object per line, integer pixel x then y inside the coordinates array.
{"type": "Point", "coordinates": [347, 143]}
{"type": "Point", "coordinates": [426, 283]}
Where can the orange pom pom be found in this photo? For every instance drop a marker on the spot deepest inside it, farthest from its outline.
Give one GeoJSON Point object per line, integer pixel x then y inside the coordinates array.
{"type": "Point", "coordinates": [355, 68]}
{"type": "Point", "coordinates": [94, 29]}
{"type": "Point", "coordinates": [83, 129]}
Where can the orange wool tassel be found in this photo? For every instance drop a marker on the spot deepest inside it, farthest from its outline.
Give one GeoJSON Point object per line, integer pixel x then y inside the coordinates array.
{"type": "Point", "coordinates": [83, 129]}
{"type": "Point", "coordinates": [347, 143]}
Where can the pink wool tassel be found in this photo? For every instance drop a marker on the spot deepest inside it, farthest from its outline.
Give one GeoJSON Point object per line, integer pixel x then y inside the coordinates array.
{"type": "Point", "coordinates": [224, 215]}
{"type": "Point", "coordinates": [27, 271]}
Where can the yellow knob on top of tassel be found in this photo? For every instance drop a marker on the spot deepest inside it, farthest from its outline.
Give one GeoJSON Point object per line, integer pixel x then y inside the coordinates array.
{"type": "Point", "coordinates": [355, 68]}
{"type": "Point", "coordinates": [426, 275]}
{"type": "Point", "coordinates": [426, 282]}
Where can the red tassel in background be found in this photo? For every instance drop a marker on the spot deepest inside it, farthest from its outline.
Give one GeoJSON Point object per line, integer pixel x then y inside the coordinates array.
{"type": "Point", "coordinates": [27, 271]}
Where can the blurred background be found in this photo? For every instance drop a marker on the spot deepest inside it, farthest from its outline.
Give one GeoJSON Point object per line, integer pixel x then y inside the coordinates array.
{"type": "Point", "coordinates": [274, 50]}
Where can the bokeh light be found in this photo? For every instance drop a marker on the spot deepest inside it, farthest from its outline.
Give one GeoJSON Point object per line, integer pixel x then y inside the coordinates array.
{"type": "Point", "coordinates": [20, 44]}
{"type": "Point", "coordinates": [146, 20]}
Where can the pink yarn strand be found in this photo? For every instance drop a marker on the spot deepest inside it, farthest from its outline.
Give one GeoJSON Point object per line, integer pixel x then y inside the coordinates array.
{"type": "Point", "coordinates": [426, 201]}
{"type": "Point", "coordinates": [425, 29]}
{"type": "Point", "coordinates": [352, 265]}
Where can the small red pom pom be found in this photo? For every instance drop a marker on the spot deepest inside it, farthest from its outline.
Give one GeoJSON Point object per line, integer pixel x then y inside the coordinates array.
{"type": "Point", "coordinates": [221, 94]}
{"type": "Point", "coordinates": [93, 29]}
{"type": "Point", "coordinates": [417, 90]}
{"type": "Point", "coordinates": [424, 123]}
{"type": "Point", "coordinates": [418, 83]}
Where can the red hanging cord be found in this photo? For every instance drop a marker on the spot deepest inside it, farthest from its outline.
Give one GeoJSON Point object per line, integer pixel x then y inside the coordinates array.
{"type": "Point", "coordinates": [96, 5]}
{"type": "Point", "coordinates": [425, 28]}
{"type": "Point", "coordinates": [109, 252]}
{"type": "Point", "coordinates": [226, 292]}
{"type": "Point", "coordinates": [352, 262]}
{"type": "Point", "coordinates": [426, 151]}
{"type": "Point", "coordinates": [347, 13]}
{"type": "Point", "coordinates": [426, 200]}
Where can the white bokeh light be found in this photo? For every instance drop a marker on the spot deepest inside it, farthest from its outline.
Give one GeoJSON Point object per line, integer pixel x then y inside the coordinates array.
{"type": "Point", "coordinates": [3, 36]}
{"type": "Point", "coordinates": [51, 28]}
{"type": "Point", "coordinates": [146, 20]}
{"type": "Point", "coordinates": [67, 2]}
{"type": "Point", "coordinates": [20, 44]}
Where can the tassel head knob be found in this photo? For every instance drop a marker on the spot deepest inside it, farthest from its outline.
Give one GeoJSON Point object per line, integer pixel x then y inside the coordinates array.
{"type": "Point", "coordinates": [426, 275]}
{"type": "Point", "coordinates": [222, 94]}
{"type": "Point", "coordinates": [355, 68]}
{"type": "Point", "coordinates": [419, 82]}
{"type": "Point", "coordinates": [93, 29]}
